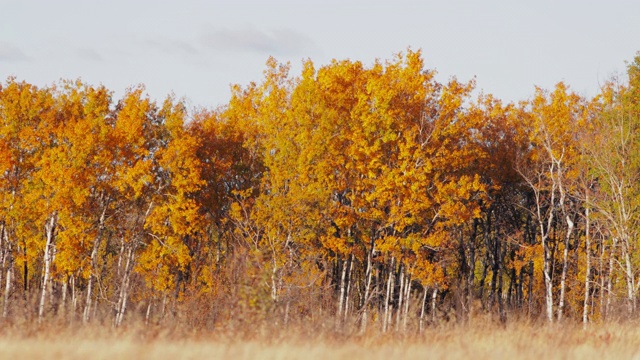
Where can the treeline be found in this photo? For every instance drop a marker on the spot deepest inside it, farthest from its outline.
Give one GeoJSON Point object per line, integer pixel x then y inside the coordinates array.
{"type": "Point", "coordinates": [358, 196]}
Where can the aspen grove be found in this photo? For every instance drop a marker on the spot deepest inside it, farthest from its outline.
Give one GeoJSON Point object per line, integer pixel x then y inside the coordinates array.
{"type": "Point", "coordinates": [351, 196]}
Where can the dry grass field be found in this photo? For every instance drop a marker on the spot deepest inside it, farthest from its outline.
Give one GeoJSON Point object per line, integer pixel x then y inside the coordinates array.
{"type": "Point", "coordinates": [515, 341]}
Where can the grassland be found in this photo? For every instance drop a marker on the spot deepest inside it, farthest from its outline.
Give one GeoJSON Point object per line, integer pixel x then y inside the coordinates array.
{"type": "Point", "coordinates": [514, 341]}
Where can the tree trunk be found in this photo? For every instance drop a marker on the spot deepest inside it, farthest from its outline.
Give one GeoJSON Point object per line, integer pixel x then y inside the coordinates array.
{"type": "Point", "coordinates": [548, 285]}
{"type": "Point", "coordinates": [7, 289]}
{"type": "Point", "coordinates": [472, 270]}
{"type": "Point", "coordinates": [348, 292]}
{"type": "Point", "coordinates": [530, 289]}
{"type": "Point", "coordinates": [434, 296]}
{"type": "Point", "coordinates": [124, 287]}
{"type": "Point", "coordinates": [94, 268]}
{"type": "Point", "coordinates": [501, 310]}
{"type": "Point", "coordinates": [7, 260]}
{"type": "Point", "coordinates": [148, 314]}
{"type": "Point", "coordinates": [400, 298]}
{"type": "Point", "coordinates": [4, 251]}
{"type": "Point", "coordinates": [343, 278]}
{"type": "Point", "coordinates": [422, 309]}
{"type": "Point", "coordinates": [50, 228]}
{"type": "Point", "coordinates": [367, 290]}
{"type": "Point", "coordinates": [74, 299]}
{"type": "Point", "coordinates": [585, 308]}
{"type": "Point", "coordinates": [609, 279]}
{"type": "Point", "coordinates": [629, 276]}
{"type": "Point", "coordinates": [407, 290]}
{"type": "Point", "coordinates": [565, 266]}
{"type": "Point", "coordinates": [387, 300]}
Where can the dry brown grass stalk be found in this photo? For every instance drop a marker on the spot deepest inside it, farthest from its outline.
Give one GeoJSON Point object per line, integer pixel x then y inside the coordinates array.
{"type": "Point", "coordinates": [478, 341]}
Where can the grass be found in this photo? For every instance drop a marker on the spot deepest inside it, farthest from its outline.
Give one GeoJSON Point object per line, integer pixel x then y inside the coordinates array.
{"type": "Point", "coordinates": [513, 341]}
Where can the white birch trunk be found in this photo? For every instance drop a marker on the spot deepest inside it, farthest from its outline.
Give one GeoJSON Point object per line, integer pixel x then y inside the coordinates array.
{"type": "Point", "coordinates": [87, 307]}
{"type": "Point", "coordinates": [50, 229]}
{"type": "Point", "coordinates": [148, 314]}
{"type": "Point", "coordinates": [8, 262]}
{"type": "Point", "coordinates": [422, 309]}
{"type": "Point", "coordinates": [86, 315]}
{"type": "Point", "coordinates": [407, 288]}
{"type": "Point", "coordinates": [7, 290]}
{"type": "Point", "coordinates": [387, 316]}
{"type": "Point", "coordinates": [434, 297]}
{"type": "Point", "coordinates": [124, 289]}
{"type": "Point", "coordinates": [367, 290]}
{"type": "Point", "coordinates": [74, 299]}
{"type": "Point", "coordinates": [400, 298]}
{"type": "Point", "coordinates": [631, 295]}
{"type": "Point", "coordinates": [609, 276]}
{"type": "Point", "coordinates": [565, 266]}
{"type": "Point", "coordinates": [585, 308]}
{"type": "Point", "coordinates": [342, 291]}
{"type": "Point", "coordinates": [348, 293]}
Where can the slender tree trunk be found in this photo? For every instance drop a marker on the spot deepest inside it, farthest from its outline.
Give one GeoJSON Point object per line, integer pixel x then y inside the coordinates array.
{"type": "Point", "coordinates": [4, 251]}
{"type": "Point", "coordinates": [585, 308]}
{"type": "Point", "coordinates": [367, 290]}
{"type": "Point", "coordinates": [548, 285]}
{"type": "Point", "coordinates": [565, 266]}
{"type": "Point", "coordinates": [25, 272]}
{"type": "Point", "coordinates": [496, 273]}
{"type": "Point", "coordinates": [74, 299]}
{"type": "Point", "coordinates": [609, 276]}
{"type": "Point", "coordinates": [124, 287]}
{"type": "Point", "coordinates": [545, 224]}
{"type": "Point", "coordinates": [343, 278]}
{"type": "Point", "coordinates": [629, 276]}
{"type": "Point", "coordinates": [8, 265]}
{"type": "Point", "coordinates": [7, 289]}
{"type": "Point", "coordinates": [422, 308]}
{"type": "Point", "coordinates": [147, 314]}
{"type": "Point", "coordinates": [472, 270]}
{"type": "Point", "coordinates": [602, 276]}
{"type": "Point", "coordinates": [483, 280]}
{"type": "Point", "coordinates": [434, 297]}
{"type": "Point", "coordinates": [387, 300]}
{"type": "Point", "coordinates": [400, 298]}
{"type": "Point", "coordinates": [50, 229]}
{"type": "Point", "coordinates": [94, 268]}
{"type": "Point", "coordinates": [407, 290]}
{"type": "Point", "coordinates": [163, 307]}
{"type": "Point", "coordinates": [87, 307]}
{"type": "Point", "coordinates": [348, 293]}
{"type": "Point", "coordinates": [274, 282]}
{"type": "Point", "coordinates": [519, 290]}
{"type": "Point", "coordinates": [530, 289]}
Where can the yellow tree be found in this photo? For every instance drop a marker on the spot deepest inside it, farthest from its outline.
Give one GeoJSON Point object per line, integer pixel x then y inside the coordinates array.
{"type": "Point", "coordinates": [67, 179]}
{"type": "Point", "coordinates": [26, 115]}
{"type": "Point", "coordinates": [135, 139]}
{"type": "Point", "coordinates": [555, 118]}
{"type": "Point", "coordinates": [365, 161]}
{"type": "Point", "coordinates": [613, 156]}
{"type": "Point", "coordinates": [175, 219]}
{"type": "Point", "coordinates": [276, 226]}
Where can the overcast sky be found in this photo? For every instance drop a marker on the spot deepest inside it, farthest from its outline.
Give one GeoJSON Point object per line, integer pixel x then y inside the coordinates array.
{"type": "Point", "coordinates": [197, 49]}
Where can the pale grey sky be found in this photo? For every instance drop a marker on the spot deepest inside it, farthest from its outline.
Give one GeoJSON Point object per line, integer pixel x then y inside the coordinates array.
{"type": "Point", "coordinates": [197, 48]}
